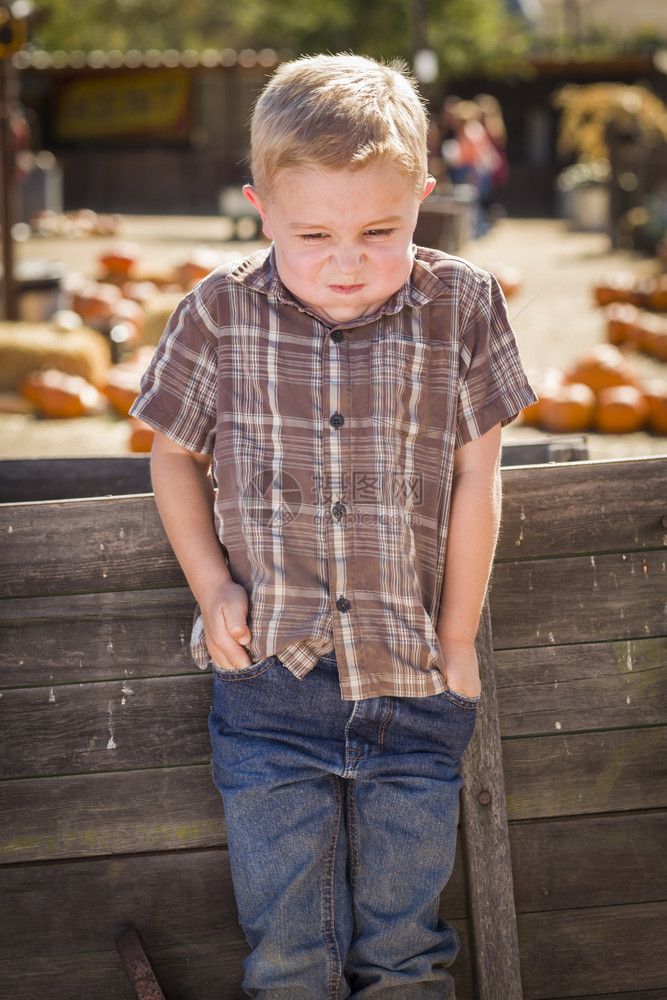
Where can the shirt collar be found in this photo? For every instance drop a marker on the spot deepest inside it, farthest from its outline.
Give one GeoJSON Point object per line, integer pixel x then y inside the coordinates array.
{"type": "Point", "coordinates": [260, 274]}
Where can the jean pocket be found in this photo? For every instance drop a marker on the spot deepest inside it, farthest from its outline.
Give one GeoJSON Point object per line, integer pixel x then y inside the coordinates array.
{"type": "Point", "coordinates": [245, 673]}
{"type": "Point", "coordinates": [462, 700]}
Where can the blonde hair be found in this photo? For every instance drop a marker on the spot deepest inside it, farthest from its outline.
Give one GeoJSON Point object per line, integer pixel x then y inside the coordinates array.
{"type": "Point", "coordinates": [339, 111]}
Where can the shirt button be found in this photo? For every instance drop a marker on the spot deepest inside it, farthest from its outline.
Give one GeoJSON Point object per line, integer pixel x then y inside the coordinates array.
{"type": "Point", "coordinates": [338, 510]}
{"type": "Point", "coordinates": [337, 420]}
{"type": "Point", "coordinates": [343, 604]}
{"type": "Point", "coordinates": [336, 336]}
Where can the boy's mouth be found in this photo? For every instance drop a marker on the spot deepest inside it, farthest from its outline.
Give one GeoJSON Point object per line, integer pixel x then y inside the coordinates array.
{"type": "Point", "coordinates": [346, 289]}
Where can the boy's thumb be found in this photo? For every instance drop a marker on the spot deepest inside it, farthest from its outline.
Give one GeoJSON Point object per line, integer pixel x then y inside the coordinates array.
{"type": "Point", "coordinates": [237, 625]}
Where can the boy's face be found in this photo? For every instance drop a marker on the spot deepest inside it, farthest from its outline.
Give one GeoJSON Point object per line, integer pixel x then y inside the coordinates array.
{"type": "Point", "coordinates": [342, 238]}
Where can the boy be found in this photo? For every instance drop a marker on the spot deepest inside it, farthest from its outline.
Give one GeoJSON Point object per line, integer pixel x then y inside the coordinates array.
{"type": "Point", "coordinates": [348, 391]}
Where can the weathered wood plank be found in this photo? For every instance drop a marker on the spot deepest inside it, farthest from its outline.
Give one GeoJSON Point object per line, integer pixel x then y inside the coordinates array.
{"type": "Point", "coordinates": [30, 480]}
{"type": "Point", "coordinates": [88, 637]}
{"type": "Point", "coordinates": [634, 995]}
{"type": "Point", "coordinates": [585, 773]}
{"type": "Point", "coordinates": [183, 905]}
{"type": "Point", "coordinates": [579, 599]}
{"type": "Point", "coordinates": [487, 847]}
{"type": "Point", "coordinates": [594, 951]}
{"type": "Point", "coordinates": [583, 507]}
{"type": "Point", "coordinates": [206, 970]}
{"type": "Point", "coordinates": [590, 686]}
{"type": "Point", "coordinates": [122, 812]}
{"type": "Point", "coordinates": [108, 726]}
{"type": "Point", "coordinates": [83, 904]}
{"type": "Point", "coordinates": [560, 449]}
{"type": "Point", "coordinates": [591, 861]}
{"type": "Point", "coordinates": [78, 546]}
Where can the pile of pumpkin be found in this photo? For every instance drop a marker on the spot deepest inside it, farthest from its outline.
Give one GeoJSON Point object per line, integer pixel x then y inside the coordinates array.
{"type": "Point", "coordinates": [602, 391]}
{"type": "Point", "coordinates": [89, 358]}
{"type": "Point", "coordinates": [81, 223]}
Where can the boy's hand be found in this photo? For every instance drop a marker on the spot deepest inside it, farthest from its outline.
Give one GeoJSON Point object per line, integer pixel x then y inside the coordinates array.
{"type": "Point", "coordinates": [461, 667]}
{"type": "Point", "coordinates": [225, 612]}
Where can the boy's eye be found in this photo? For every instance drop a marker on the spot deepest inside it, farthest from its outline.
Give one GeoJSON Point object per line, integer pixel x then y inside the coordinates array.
{"type": "Point", "coordinates": [313, 237]}
{"type": "Point", "coordinates": [379, 232]}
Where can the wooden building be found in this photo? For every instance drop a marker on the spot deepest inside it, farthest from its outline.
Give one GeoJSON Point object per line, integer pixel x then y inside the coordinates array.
{"type": "Point", "coordinates": [165, 132]}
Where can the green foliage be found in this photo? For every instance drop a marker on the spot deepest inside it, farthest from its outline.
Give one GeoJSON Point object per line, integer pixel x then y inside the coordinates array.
{"type": "Point", "coordinates": [467, 34]}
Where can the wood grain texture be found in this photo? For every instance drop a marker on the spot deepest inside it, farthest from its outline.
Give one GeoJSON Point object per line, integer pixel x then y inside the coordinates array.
{"type": "Point", "coordinates": [587, 507]}
{"type": "Point", "coordinates": [550, 602]}
{"type": "Point", "coordinates": [614, 685]}
{"type": "Point", "coordinates": [107, 726]}
{"type": "Point", "coordinates": [486, 843]}
{"type": "Point", "coordinates": [589, 861]}
{"type": "Point", "coordinates": [80, 638]}
{"type": "Point", "coordinates": [183, 905]}
{"type": "Point", "coordinates": [82, 546]}
{"type": "Point", "coordinates": [584, 773]}
{"type": "Point", "coordinates": [30, 480]}
{"type": "Point", "coordinates": [178, 894]}
{"type": "Point", "coordinates": [593, 951]}
{"type": "Point", "coordinates": [127, 812]}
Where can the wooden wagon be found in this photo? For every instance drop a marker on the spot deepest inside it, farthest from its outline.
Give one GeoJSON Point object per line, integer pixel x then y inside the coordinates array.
{"type": "Point", "coordinates": [110, 818]}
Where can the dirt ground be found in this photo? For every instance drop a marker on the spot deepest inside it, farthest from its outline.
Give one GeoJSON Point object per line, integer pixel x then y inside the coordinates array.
{"type": "Point", "coordinates": [553, 314]}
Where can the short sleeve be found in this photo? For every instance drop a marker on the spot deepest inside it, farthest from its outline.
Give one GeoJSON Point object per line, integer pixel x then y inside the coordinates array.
{"type": "Point", "coordinates": [178, 390]}
{"type": "Point", "coordinates": [493, 387]}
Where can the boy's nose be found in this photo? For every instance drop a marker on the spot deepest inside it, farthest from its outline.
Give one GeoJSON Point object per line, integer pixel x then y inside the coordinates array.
{"type": "Point", "coordinates": [348, 260]}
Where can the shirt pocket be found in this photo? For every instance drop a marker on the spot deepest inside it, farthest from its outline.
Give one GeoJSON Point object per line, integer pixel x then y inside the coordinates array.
{"type": "Point", "coordinates": [410, 384]}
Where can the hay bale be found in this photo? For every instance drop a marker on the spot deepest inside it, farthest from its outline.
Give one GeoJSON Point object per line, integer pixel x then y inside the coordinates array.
{"type": "Point", "coordinates": [158, 309]}
{"type": "Point", "coordinates": [26, 347]}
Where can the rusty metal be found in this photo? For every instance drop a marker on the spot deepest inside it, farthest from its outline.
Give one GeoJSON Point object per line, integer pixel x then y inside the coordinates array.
{"type": "Point", "coordinates": [138, 966]}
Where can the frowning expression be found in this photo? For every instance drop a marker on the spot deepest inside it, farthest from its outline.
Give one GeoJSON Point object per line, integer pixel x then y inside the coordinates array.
{"type": "Point", "coordinates": [342, 238]}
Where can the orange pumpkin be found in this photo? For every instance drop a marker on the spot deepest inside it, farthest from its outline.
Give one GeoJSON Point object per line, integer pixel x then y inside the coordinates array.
{"type": "Point", "coordinates": [650, 330]}
{"type": "Point", "coordinates": [56, 394]}
{"type": "Point", "coordinates": [603, 367]}
{"type": "Point", "coordinates": [568, 410]}
{"type": "Point", "coordinates": [119, 261]}
{"type": "Point", "coordinates": [622, 323]}
{"type": "Point", "coordinates": [141, 435]}
{"type": "Point", "coordinates": [653, 292]}
{"type": "Point", "coordinates": [96, 302]}
{"type": "Point", "coordinates": [121, 387]}
{"type": "Point", "coordinates": [656, 397]}
{"type": "Point", "coordinates": [546, 385]}
{"type": "Point", "coordinates": [194, 266]}
{"type": "Point", "coordinates": [659, 346]}
{"type": "Point", "coordinates": [615, 286]}
{"type": "Point", "coordinates": [621, 409]}
{"type": "Point", "coordinates": [508, 277]}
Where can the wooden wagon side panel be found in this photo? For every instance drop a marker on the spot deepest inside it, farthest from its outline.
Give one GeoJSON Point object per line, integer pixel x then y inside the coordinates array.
{"type": "Point", "coordinates": [106, 820]}
{"type": "Point", "coordinates": [579, 601]}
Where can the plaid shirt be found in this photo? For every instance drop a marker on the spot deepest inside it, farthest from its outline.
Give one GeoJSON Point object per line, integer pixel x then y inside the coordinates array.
{"type": "Point", "coordinates": [333, 449]}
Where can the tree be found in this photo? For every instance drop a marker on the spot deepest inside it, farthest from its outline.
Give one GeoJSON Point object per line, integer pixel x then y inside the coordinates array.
{"type": "Point", "coordinates": [466, 34]}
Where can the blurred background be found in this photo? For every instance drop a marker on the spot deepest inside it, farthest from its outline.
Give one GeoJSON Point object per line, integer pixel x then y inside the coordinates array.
{"type": "Point", "coordinates": [124, 145]}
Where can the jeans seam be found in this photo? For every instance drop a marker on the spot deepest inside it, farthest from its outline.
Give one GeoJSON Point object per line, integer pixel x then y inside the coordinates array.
{"type": "Point", "coordinates": [383, 725]}
{"type": "Point", "coordinates": [352, 835]}
{"type": "Point", "coordinates": [329, 933]}
{"type": "Point", "coordinates": [461, 701]}
{"type": "Point", "coordinates": [245, 674]}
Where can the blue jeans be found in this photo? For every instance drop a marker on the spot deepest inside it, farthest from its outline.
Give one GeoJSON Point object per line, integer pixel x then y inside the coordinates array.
{"type": "Point", "coordinates": [341, 823]}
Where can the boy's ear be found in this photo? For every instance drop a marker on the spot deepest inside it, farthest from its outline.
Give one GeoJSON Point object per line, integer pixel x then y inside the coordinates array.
{"type": "Point", "coordinates": [254, 199]}
{"type": "Point", "coordinates": [428, 187]}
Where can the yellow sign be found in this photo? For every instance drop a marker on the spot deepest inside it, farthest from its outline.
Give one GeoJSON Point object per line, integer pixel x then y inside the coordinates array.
{"type": "Point", "coordinates": [150, 104]}
{"type": "Point", "coordinates": [13, 33]}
